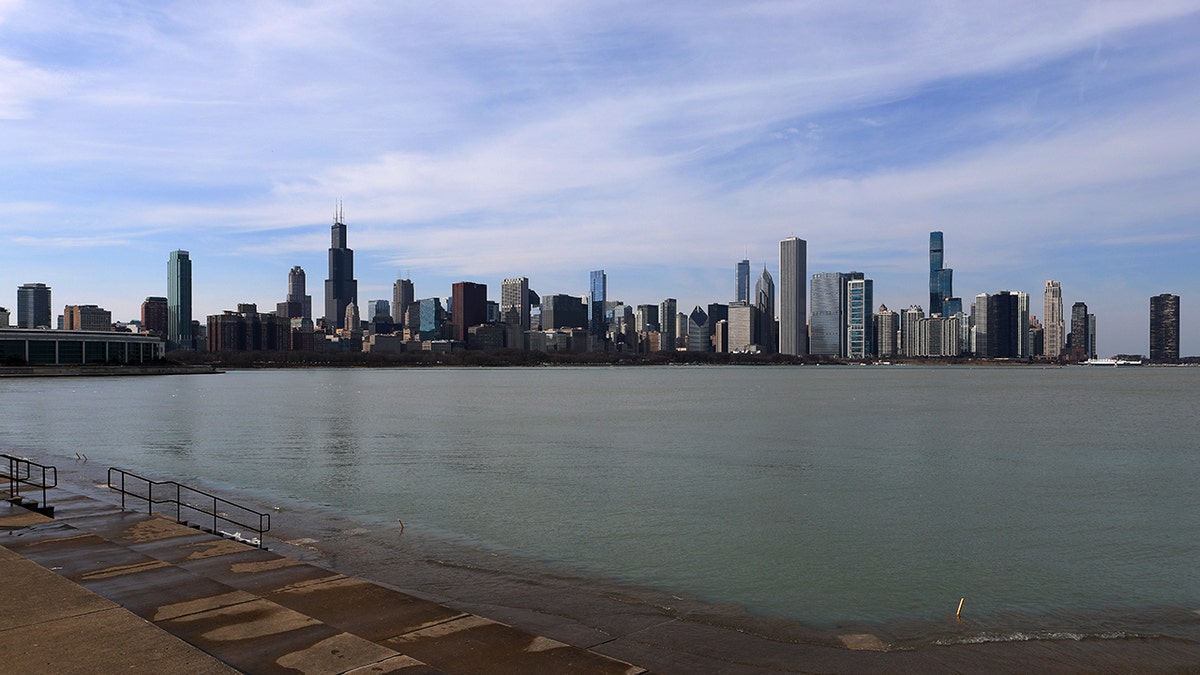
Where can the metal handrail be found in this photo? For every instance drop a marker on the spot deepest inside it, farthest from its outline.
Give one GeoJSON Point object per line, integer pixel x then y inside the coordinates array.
{"type": "Point", "coordinates": [190, 499]}
{"type": "Point", "coordinates": [20, 472]}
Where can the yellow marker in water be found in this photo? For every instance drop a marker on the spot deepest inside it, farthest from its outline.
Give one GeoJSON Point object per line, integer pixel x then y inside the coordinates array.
{"type": "Point", "coordinates": [960, 604]}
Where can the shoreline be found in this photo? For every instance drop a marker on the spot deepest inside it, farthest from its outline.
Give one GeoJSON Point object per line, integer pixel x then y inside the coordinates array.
{"type": "Point", "coordinates": [669, 633]}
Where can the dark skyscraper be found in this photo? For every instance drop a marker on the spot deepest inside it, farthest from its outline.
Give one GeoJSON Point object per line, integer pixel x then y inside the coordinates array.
{"type": "Point", "coordinates": [468, 307]}
{"type": "Point", "coordinates": [402, 297]}
{"type": "Point", "coordinates": [1079, 338]}
{"type": "Point", "coordinates": [941, 280]}
{"type": "Point", "coordinates": [341, 288]}
{"type": "Point", "coordinates": [33, 306]}
{"type": "Point", "coordinates": [1164, 328]}
{"type": "Point", "coordinates": [765, 333]}
{"type": "Point", "coordinates": [179, 301]}
{"type": "Point", "coordinates": [1004, 331]}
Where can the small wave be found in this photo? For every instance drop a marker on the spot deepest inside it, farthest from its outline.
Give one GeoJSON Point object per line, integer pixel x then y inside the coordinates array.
{"type": "Point", "coordinates": [1048, 636]}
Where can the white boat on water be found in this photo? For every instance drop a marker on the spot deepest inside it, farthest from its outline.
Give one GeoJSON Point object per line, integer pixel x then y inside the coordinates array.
{"type": "Point", "coordinates": [1116, 363]}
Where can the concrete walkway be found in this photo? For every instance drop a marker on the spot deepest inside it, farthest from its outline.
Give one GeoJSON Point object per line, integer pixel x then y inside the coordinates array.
{"type": "Point", "coordinates": [97, 589]}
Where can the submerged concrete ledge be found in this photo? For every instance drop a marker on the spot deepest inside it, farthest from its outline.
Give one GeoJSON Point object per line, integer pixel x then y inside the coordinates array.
{"type": "Point", "coordinates": [100, 589]}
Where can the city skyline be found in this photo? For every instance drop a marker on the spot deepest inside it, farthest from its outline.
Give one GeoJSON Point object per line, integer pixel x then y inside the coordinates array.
{"type": "Point", "coordinates": [660, 143]}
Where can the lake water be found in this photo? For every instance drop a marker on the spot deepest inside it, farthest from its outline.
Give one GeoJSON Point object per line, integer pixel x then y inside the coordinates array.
{"type": "Point", "coordinates": [826, 495]}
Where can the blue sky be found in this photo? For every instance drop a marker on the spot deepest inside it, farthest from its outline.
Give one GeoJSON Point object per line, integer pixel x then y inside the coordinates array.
{"type": "Point", "coordinates": [661, 142]}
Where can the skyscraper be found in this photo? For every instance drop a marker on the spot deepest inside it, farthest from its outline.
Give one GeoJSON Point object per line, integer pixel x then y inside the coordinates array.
{"type": "Point", "coordinates": [1080, 331]}
{"type": "Point", "coordinates": [743, 281]}
{"type": "Point", "coordinates": [941, 280]}
{"type": "Point", "coordinates": [887, 326]}
{"type": "Point", "coordinates": [764, 300]}
{"type": "Point", "coordinates": [1164, 328]}
{"type": "Point", "coordinates": [979, 321]}
{"type": "Point", "coordinates": [514, 302]}
{"type": "Point", "coordinates": [827, 324]}
{"type": "Point", "coordinates": [33, 306]}
{"type": "Point", "coordinates": [1054, 331]}
{"type": "Point", "coordinates": [1024, 339]}
{"type": "Point", "coordinates": [793, 310]}
{"type": "Point", "coordinates": [341, 288]}
{"type": "Point", "coordinates": [1004, 334]}
{"type": "Point", "coordinates": [598, 296]}
{"type": "Point", "coordinates": [179, 301]}
{"type": "Point", "coordinates": [402, 297]}
{"type": "Point", "coordinates": [468, 307]}
{"type": "Point", "coordinates": [859, 340]}
{"type": "Point", "coordinates": [698, 340]}
{"type": "Point", "coordinates": [297, 292]}
{"type": "Point", "coordinates": [910, 336]}
{"type": "Point", "coordinates": [667, 325]}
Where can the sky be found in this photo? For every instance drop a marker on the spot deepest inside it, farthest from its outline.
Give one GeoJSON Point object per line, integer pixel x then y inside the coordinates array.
{"type": "Point", "coordinates": [659, 141]}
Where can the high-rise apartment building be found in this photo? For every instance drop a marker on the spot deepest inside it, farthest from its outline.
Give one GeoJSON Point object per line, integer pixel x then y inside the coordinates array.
{"type": "Point", "coordinates": [87, 317]}
{"type": "Point", "coordinates": [827, 324]}
{"type": "Point", "coordinates": [887, 328]}
{"type": "Point", "coordinates": [514, 302]}
{"type": "Point", "coordinates": [941, 279]}
{"type": "Point", "coordinates": [1053, 330]}
{"type": "Point", "coordinates": [743, 281]}
{"type": "Point", "coordinates": [468, 307]}
{"type": "Point", "coordinates": [667, 329]}
{"type": "Point", "coordinates": [910, 335]}
{"type": "Point", "coordinates": [979, 325]}
{"type": "Point", "coordinates": [766, 334]}
{"type": "Point", "coordinates": [33, 306]}
{"type": "Point", "coordinates": [179, 301]}
{"type": "Point", "coordinates": [598, 296]}
{"type": "Point", "coordinates": [859, 334]}
{"type": "Point", "coordinates": [1164, 328]}
{"type": "Point", "coordinates": [1024, 344]}
{"type": "Point", "coordinates": [4, 317]}
{"type": "Point", "coordinates": [341, 288]}
{"type": "Point", "coordinates": [793, 310]}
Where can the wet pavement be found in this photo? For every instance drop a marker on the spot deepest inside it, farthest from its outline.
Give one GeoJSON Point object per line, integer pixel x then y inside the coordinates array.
{"type": "Point", "coordinates": [98, 589]}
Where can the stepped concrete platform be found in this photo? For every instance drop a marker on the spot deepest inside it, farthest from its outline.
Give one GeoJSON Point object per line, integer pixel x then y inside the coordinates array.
{"type": "Point", "coordinates": [98, 589]}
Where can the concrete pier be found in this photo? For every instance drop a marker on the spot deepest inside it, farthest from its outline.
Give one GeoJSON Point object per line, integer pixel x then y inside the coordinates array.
{"type": "Point", "coordinates": [97, 589]}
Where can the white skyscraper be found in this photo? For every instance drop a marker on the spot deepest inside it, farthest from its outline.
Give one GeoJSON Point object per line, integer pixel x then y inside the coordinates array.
{"type": "Point", "coordinates": [514, 302]}
{"type": "Point", "coordinates": [793, 310]}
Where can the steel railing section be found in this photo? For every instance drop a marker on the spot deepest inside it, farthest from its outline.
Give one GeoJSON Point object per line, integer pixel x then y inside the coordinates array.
{"type": "Point", "coordinates": [23, 471]}
{"type": "Point", "coordinates": [189, 503]}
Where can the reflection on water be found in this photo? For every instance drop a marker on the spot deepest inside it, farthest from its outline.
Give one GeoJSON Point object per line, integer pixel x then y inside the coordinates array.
{"type": "Point", "coordinates": [827, 494]}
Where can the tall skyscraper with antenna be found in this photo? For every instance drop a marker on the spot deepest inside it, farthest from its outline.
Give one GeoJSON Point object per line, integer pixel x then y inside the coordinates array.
{"type": "Point", "coordinates": [341, 288]}
{"type": "Point", "coordinates": [941, 279]}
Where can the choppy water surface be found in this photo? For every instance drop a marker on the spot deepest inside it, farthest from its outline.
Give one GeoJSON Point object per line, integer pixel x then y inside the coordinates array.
{"type": "Point", "coordinates": [822, 494]}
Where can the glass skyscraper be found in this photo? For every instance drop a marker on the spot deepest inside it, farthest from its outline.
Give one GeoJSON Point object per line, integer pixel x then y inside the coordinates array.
{"type": "Point", "coordinates": [33, 306]}
{"type": "Point", "coordinates": [598, 290]}
{"type": "Point", "coordinates": [743, 281]}
{"type": "Point", "coordinates": [941, 280]}
{"type": "Point", "coordinates": [179, 301]}
{"type": "Point", "coordinates": [764, 300]}
{"type": "Point", "coordinates": [827, 323]}
{"type": "Point", "coordinates": [860, 322]}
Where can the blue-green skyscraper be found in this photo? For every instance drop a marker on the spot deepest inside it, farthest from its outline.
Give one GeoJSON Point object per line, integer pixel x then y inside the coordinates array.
{"type": "Point", "coordinates": [941, 280]}
{"type": "Point", "coordinates": [179, 301]}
